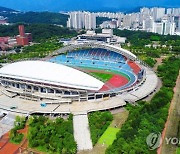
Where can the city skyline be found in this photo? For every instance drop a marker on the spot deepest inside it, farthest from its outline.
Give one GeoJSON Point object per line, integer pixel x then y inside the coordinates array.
{"type": "Point", "coordinates": [93, 5]}
{"type": "Point", "coordinates": [157, 20]}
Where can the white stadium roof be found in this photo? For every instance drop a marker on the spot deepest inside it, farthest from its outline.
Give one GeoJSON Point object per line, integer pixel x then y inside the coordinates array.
{"type": "Point", "coordinates": [121, 49]}
{"type": "Point", "coordinates": [51, 73]}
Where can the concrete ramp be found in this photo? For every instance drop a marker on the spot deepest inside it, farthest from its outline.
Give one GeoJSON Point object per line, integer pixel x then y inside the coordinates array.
{"type": "Point", "coordinates": [82, 132]}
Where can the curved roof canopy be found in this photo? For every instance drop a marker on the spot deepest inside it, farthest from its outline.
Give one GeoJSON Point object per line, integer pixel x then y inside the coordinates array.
{"type": "Point", "coordinates": [114, 48]}
{"type": "Point", "coordinates": [51, 73]}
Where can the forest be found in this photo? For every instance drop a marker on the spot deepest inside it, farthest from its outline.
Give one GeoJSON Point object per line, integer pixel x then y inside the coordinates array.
{"type": "Point", "coordinates": [37, 17]}
{"type": "Point", "coordinates": [98, 123]}
{"type": "Point", "coordinates": [35, 51]}
{"type": "Point", "coordinates": [40, 32]}
{"type": "Point", "coordinates": [51, 136]}
{"type": "Point", "coordinates": [15, 136]}
{"type": "Point", "coordinates": [147, 117]}
{"type": "Point", "coordinates": [140, 38]}
{"type": "Point", "coordinates": [149, 46]}
{"type": "Point", "coordinates": [45, 40]}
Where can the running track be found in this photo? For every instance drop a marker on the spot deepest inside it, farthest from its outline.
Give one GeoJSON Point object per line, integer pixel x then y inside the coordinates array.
{"type": "Point", "coordinates": [115, 82]}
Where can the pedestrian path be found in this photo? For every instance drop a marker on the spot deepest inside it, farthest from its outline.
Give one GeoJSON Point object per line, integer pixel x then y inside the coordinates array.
{"type": "Point", "coordinates": [82, 132]}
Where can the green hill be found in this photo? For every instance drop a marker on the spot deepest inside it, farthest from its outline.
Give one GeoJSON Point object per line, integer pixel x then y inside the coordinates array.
{"type": "Point", "coordinates": [39, 31]}
{"type": "Point", "coordinates": [39, 17]}
{"type": "Point", "coordinates": [6, 9]}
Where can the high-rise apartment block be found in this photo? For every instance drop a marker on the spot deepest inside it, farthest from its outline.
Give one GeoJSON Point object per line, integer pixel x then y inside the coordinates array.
{"type": "Point", "coordinates": [157, 13]}
{"type": "Point", "coordinates": [164, 28]}
{"type": "Point", "coordinates": [82, 20]}
{"type": "Point", "coordinates": [177, 23]}
{"type": "Point", "coordinates": [148, 24]}
{"type": "Point", "coordinates": [157, 19]}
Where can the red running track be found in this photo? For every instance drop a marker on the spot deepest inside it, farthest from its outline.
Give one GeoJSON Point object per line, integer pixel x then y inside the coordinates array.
{"type": "Point", "coordinates": [116, 81]}
{"type": "Point", "coordinates": [134, 67]}
{"type": "Point", "coordinates": [6, 147]}
{"type": "Point", "coordinates": [9, 148]}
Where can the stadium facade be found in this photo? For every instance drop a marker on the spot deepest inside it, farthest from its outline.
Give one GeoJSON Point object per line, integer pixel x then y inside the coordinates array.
{"type": "Point", "coordinates": [66, 78]}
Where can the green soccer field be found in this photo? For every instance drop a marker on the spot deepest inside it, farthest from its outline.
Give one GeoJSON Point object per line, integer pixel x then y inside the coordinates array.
{"type": "Point", "coordinates": [101, 76]}
{"type": "Point", "coordinates": [109, 136]}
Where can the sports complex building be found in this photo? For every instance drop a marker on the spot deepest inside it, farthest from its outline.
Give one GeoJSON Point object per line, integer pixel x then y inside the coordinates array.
{"type": "Point", "coordinates": [77, 79]}
{"type": "Point", "coordinates": [75, 73]}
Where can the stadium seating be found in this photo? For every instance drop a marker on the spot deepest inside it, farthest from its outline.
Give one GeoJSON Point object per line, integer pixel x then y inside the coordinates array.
{"type": "Point", "coordinates": [134, 66]}
{"type": "Point", "coordinates": [100, 59]}
{"type": "Point", "coordinates": [96, 54]}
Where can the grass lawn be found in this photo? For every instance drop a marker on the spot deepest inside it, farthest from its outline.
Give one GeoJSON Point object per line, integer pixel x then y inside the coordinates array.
{"type": "Point", "coordinates": [109, 136]}
{"type": "Point", "coordinates": [99, 75]}
{"type": "Point", "coordinates": [178, 151]}
{"type": "Point", "coordinates": [118, 121]}
{"type": "Point", "coordinates": [102, 76]}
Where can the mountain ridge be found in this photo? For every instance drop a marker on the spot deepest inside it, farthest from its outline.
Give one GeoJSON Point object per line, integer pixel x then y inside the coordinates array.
{"type": "Point", "coordinates": [2, 9]}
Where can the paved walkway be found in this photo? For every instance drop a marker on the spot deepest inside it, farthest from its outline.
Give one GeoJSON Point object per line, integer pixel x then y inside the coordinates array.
{"type": "Point", "coordinates": [146, 89]}
{"type": "Point", "coordinates": [82, 132]}
{"type": "Point", "coordinates": [27, 106]}
{"type": "Point", "coordinates": [159, 85]}
{"type": "Point", "coordinates": [159, 62]}
{"type": "Point", "coordinates": [6, 124]}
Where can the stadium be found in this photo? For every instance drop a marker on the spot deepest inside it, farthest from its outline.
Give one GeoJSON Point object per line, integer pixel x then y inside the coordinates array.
{"type": "Point", "coordinates": [77, 79]}
{"type": "Point", "coordinates": [84, 72]}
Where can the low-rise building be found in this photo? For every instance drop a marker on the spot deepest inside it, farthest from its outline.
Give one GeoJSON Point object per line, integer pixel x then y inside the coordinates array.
{"type": "Point", "coordinates": [106, 36]}
{"type": "Point", "coordinates": [3, 20]}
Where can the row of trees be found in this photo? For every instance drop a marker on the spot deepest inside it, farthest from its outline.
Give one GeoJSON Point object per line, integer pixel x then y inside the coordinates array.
{"type": "Point", "coordinates": [147, 117]}
{"type": "Point", "coordinates": [35, 51]}
{"type": "Point", "coordinates": [46, 35]}
{"type": "Point", "coordinates": [139, 38]}
{"type": "Point", "coordinates": [52, 136]}
{"type": "Point", "coordinates": [98, 123]}
{"type": "Point", "coordinates": [148, 46]}
{"type": "Point", "coordinates": [175, 45]}
{"type": "Point", "coordinates": [15, 136]}
{"type": "Point", "coordinates": [150, 61]}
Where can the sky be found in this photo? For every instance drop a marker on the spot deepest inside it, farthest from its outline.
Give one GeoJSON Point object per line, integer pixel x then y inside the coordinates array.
{"type": "Point", "coordinates": [91, 5]}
